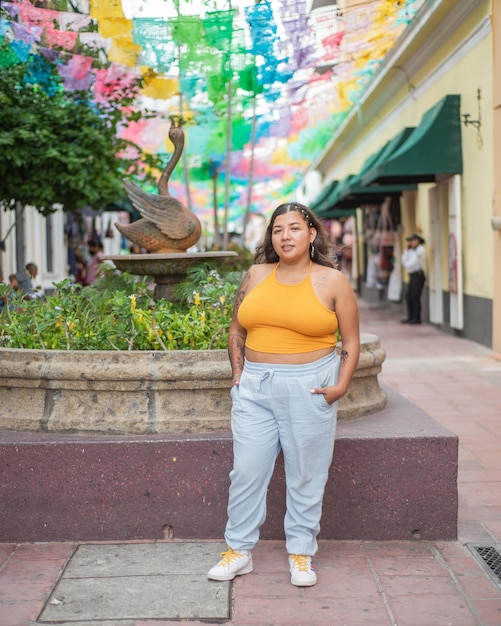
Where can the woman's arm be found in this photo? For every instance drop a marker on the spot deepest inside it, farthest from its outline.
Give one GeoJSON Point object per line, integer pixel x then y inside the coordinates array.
{"type": "Point", "coordinates": [346, 308]}
{"type": "Point", "coordinates": [349, 329]}
{"type": "Point", "coordinates": [237, 334]}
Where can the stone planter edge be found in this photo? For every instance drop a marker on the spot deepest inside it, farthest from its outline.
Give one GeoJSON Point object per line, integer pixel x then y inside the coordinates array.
{"type": "Point", "coordinates": [143, 392]}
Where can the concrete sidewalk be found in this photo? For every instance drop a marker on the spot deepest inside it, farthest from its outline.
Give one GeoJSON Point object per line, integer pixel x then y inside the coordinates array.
{"type": "Point", "coordinates": [360, 583]}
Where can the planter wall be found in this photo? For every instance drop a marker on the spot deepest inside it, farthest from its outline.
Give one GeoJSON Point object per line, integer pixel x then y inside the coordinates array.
{"type": "Point", "coordinates": [143, 392]}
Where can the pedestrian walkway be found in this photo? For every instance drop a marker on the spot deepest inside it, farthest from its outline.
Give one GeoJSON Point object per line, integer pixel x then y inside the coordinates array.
{"type": "Point", "coordinates": [361, 583]}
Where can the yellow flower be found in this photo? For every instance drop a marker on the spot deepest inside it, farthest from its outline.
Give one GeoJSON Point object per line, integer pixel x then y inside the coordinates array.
{"type": "Point", "coordinates": [197, 299]}
{"type": "Point", "coordinates": [132, 303]}
{"type": "Point", "coordinates": [202, 316]}
{"type": "Point", "coordinates": [222, 299]}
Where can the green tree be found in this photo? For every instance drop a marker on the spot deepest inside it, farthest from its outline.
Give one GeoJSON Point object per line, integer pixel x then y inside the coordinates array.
{"type": "Point", "coordinates": [61, 147]}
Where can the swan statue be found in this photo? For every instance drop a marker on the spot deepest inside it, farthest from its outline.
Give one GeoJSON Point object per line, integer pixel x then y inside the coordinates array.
{"type": "Point", "coordinates": [165, 225]}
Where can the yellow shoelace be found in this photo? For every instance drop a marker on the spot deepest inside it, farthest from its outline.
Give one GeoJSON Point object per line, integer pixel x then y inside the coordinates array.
{"type": "Point", "coordinates": [229, 556]}
{"type": "Point", "coordinates": [302, 562]}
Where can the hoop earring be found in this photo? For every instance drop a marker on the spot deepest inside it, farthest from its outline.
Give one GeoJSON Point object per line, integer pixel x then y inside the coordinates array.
{"type": "Point", "coordinates": [312, 250]}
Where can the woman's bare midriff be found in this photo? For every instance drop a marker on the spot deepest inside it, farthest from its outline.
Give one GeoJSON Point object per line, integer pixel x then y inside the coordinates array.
{"type": "Point", "coordinates": [288, 359]}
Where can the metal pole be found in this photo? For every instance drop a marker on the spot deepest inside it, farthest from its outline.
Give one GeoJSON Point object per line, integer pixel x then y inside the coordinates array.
{"type": "Point", "coordinates": [251, 172]}
{"type": "Point", "coordinates": [228, 169]}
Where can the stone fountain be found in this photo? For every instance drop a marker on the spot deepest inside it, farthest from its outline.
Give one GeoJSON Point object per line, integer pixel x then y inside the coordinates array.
{"type": "Point", "coordinates": [166, 269]}
{"type": "Point", "coordinates": [166, 229]}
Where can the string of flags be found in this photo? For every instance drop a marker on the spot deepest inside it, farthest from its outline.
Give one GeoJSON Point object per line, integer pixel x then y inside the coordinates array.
{"type": "Point", "coordinates": [276, 78]}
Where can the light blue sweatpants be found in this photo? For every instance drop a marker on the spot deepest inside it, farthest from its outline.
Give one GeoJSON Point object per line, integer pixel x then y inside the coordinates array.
{"type": "Point", "coordinates": [273, 409]}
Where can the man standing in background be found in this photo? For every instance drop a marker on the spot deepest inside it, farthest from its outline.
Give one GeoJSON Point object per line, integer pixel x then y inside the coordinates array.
{"type": "Point", "coordinates": [413, 259]}
{"type": "Point", "coordinates": [96, 252]}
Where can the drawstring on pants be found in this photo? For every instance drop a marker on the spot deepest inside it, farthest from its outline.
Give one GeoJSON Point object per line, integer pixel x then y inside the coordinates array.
{"type": "Point", "coordinates": [267, 375]}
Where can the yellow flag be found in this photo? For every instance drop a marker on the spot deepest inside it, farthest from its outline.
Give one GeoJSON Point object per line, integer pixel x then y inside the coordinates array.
{"type": "Point", "coordinates": [124, 51]}
{"type": "Point", "coordinates": [112, 27]}
{"type": "Point", "coordinates": [106, 8]}
{"type": "Point", "coordinates": [161, 88]}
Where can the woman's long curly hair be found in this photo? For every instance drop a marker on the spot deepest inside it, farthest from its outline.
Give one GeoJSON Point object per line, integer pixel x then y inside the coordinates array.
{"type": "Point", "coordinates": [323, 248]}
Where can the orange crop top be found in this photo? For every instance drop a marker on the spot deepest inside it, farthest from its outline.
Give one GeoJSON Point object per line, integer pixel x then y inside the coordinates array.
{"type": "Point", "coordinates": [286, 319]}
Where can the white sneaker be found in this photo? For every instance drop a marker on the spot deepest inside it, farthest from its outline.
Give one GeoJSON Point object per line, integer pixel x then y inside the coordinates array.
{"type": "Point", "coordinates": [232, 564]}
{"type": "Point", "coordinates": [302, 574]}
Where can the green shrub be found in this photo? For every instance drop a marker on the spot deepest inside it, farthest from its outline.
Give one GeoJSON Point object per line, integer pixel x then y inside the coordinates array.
{"type": "Point", "coordinates": [118, 313]}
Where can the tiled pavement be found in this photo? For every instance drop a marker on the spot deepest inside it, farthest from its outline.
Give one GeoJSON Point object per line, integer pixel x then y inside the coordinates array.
{"type": "Point", "coordinates": [361, 583]}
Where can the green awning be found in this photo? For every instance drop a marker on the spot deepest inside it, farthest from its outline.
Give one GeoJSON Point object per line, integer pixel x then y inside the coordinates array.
{"type": "Point", "coordinates": [373, 194]}
{"type": "Point", "coordinates": [341, 190]}
{"type": "Point", "coordinates": [351, 193]}
{"type": "Point", "coordinates": [433, 148]}
{"type": "Point", "coordinates": [334, 214]}
{"type": "Point", "coordinates": [372, 160]}
{"type": "Point", "coordinates": [320, 201]}
{"type": "Point", "coordinates": [328, 201]}
{"type": "Point", "coordinates": [380, 156]}
{"type": "Point", "coordinates": [332, 207]}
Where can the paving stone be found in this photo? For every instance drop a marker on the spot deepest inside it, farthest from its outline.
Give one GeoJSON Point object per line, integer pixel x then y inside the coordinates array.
{"type": "Point", "coordinates": [138, 581]}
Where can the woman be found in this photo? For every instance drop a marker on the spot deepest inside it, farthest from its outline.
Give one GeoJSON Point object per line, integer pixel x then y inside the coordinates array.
{"type": "Point", "coordinates": [287, 380]}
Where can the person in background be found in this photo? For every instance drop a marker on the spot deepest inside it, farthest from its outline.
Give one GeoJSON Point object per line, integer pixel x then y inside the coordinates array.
{"type": "Point", "coordinates": [25, 279]}
{"type": "Point", "coordinates": [80, 267]}
{"type": "Point", "coordinates": [287, 380]}
{"type": "Point", "coordinates": [96, 252]}
{"type": "Point", "coordinates": [13, 282]}
{"type": "Point", "coordinates": [13, 287]}
{"type": "Point", "coordinates": [413, 259]}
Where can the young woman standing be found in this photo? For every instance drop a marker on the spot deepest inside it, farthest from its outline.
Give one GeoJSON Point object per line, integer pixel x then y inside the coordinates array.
{"type": "Point", "coordinates": [287, 380]}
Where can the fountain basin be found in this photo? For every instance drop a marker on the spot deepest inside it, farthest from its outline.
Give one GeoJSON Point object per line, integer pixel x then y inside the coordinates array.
{"type": "Point", "coordinates": [165, 269]}
{"type": "Point", "coordinates": [143, 392]}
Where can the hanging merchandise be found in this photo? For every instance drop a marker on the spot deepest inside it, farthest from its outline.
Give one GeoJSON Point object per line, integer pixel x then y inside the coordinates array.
{"type": "Point", "coordinates": [386, 259]}
{"type": "Point", "coordinates": [395, 280]}
{"type": "Point", "coordinates": [384, 235]}
{"type": "Point", "coordinates": [348, 247]}
{"type": "Point", "coordinates": [372, 271]}
{"type": "Point", "coordinates": [383, 240]}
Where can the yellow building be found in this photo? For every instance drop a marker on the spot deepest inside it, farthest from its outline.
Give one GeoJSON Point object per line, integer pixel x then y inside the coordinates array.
{"type": "Point", "coordinates": [420, 145]}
